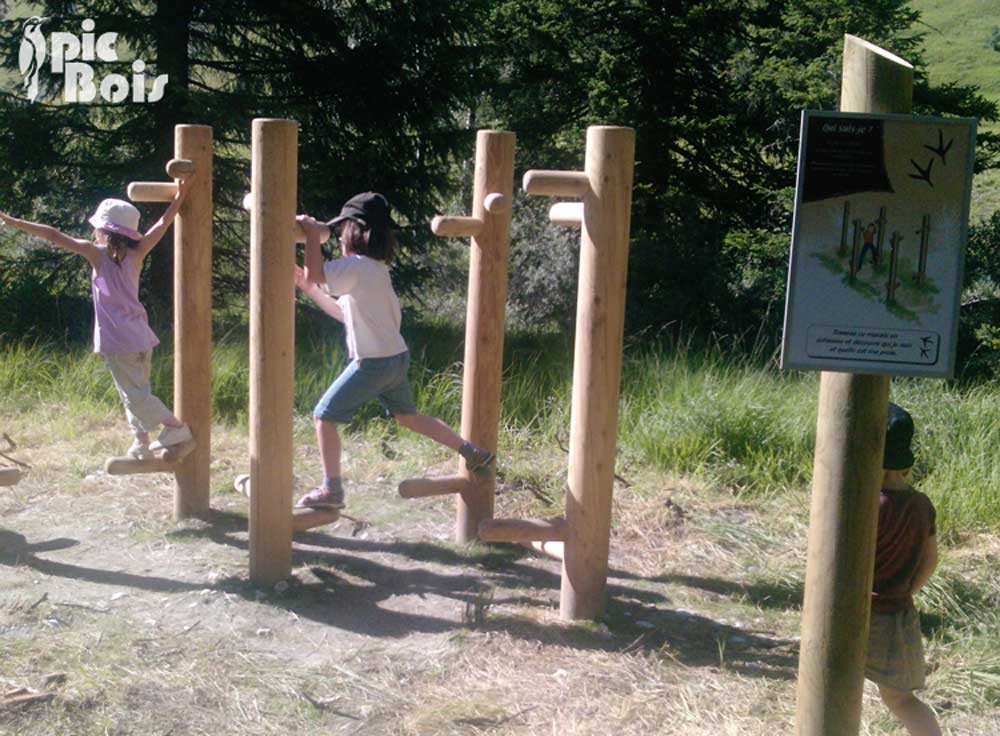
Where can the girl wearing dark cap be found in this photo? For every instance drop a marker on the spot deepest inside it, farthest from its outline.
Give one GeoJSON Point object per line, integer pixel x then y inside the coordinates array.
{"type": "Point", "coordinates": [357, 290]}
{"type": "Point", "coordinates": [905, 557]}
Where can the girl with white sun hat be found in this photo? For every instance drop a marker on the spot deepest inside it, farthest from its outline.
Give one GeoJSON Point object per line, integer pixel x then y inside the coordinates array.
{"type": "Point", "coordinates": [122, 335]}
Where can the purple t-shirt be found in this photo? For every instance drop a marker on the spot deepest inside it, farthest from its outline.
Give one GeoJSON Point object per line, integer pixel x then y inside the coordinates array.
{"type": "Point", "coordinates": [906, 520]}
{"type": "Point", "coordinates": [120, 321]}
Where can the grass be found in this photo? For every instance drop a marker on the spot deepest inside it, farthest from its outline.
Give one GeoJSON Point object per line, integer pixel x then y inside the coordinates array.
{"type": "Point", "coordinates": [715, 413]}
{"type": "Point", "coordinates": [389, 628]}
{"type": "Point", "coordinates": [957, 46]}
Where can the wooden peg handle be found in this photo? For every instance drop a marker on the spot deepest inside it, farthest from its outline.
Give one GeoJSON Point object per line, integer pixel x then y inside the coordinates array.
{"type": "Point", "coordinates": [556, 183]}
{"type": "Point", "coordinates": [180, 168]}
{"type": "Point", "coordinates": [495, 203]}
{"type": "Point", "coordinates": [152, 191]}
{"type": "Point", "coordinates": [456, 227]}
{"type": "Point", "coordinates": [568, 214]}
{"type": "Point", "coordinates": [300, 234]}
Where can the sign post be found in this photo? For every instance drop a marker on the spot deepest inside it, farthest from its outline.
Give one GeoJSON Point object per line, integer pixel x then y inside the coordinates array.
{"type": "Point", "coordinates": [851, 317]}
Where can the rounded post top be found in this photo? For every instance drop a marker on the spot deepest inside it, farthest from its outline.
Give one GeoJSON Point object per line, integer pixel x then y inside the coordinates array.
{"type": "Point", "coordinates": [192, 126]}
{"type": "Point", "coordinates": [610, 128]}
{"type": "Point", "coordinates": [490, 132]}
{"type": "Point", "coordinates": [274, 121]}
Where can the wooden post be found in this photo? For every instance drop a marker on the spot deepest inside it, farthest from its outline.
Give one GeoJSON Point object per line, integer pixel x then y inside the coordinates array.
{"type": "Point", "coordinates": [489, 228]}
{"type": "Point", "coordinates": [272, 346]}
{"type": "Point", "coordinates": [924, 232]}
{"type": "Point", "coordinates": [484, 324]}
{"type": "Point", "coordinates": [600, 317]}
{"type": "Point", "coordinates": [855, 241]}
{"type": "Point", "coordinates": [890, 285]}
{"type": "Point", "coordinates": [880, 235]}
{"type": "Point", "coordinates": [193, 318]}
{"type": "Point", "coordinates": [847, 472]}
{"type": "Point", "coordinates": [844, 223]}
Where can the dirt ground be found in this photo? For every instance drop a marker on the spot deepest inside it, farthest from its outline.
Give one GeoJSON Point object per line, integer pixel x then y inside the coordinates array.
{"type": "Point", "coordinates": [114, 619]}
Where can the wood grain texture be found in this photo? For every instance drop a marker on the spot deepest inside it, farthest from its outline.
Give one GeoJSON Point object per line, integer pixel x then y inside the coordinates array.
{"type": "Point", "coordinates": [193, 319]}
{"type": "Point", "coordinates": [847, 473]}
{"type": "Point", "coordinates": [272, 346]}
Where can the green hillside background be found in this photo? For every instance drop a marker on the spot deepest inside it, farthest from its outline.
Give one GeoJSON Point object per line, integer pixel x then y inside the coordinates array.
{"type": "Point", "coordinates": [958, 43]}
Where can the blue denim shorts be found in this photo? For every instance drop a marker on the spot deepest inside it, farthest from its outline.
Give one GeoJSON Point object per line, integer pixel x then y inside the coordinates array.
{"type": "Point", "coordinates": [366, 379]}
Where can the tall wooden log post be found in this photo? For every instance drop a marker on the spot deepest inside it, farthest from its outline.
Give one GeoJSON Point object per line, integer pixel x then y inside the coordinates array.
{"type": "Point", "coordinates": [193, 320]}
{"type": "Point", "coordinates": [604, 217]}
{"type": "Point", "coordinates": [847, 473]}
{"type": "Point", "coordinates": [489, 228]}
{"type": "Point", "coordinates": [274, 180]}
{"type": "Point", "coordinates": [190, 461]}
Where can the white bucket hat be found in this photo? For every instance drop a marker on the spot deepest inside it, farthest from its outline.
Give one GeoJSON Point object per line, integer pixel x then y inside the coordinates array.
{"type": "Point", "coordinates": [117, 216]}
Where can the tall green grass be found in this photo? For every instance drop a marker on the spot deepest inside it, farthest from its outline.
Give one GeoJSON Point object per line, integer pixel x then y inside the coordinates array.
{"type": "Point", "coordinates": [720, 412]}
{"type": "Point", "coordinates": [724, 414]}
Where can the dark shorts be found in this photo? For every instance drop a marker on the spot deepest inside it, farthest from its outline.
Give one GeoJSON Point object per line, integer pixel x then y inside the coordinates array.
{"type": "Point", "coordinates": [365, 379]}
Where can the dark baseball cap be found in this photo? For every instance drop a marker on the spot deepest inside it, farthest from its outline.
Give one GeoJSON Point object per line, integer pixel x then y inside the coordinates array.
{"type": "Point", "coordinates": [898, 436]}
{"type": "Point", "coordinates": [370, 209]}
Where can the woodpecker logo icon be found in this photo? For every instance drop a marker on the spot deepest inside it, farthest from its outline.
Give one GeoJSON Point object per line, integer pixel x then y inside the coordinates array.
{"type": "Point", "coordinates": [32, 55]}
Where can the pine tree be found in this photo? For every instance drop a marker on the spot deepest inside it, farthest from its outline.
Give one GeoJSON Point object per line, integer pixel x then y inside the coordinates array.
{"type": "Point", "coordinates": [373, 86]}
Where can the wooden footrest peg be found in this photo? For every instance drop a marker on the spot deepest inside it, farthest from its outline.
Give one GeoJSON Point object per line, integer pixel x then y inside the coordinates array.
{"type": "Point", "coordinates": [9, 476]}
{"type": "Point", "coordinates": [164, 461]}
{"type": "Point", "coordinates": [303, 519]}
{"type": "Point", "coordinates": [522, 530]}
{"type": "Point", "coordinates": [555, 550]}
{"type": "Point", "coordinates": [441, 486]}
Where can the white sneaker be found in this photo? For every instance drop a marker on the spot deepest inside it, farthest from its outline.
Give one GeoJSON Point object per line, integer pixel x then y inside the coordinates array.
{"type": "Point", "coordinates": [171, 436]}
{"type": "Point", "coordinates": [140, 451]}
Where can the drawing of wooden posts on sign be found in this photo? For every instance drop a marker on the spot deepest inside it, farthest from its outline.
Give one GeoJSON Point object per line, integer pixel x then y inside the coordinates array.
{"type": "Point", "coordinates": [865, 183]}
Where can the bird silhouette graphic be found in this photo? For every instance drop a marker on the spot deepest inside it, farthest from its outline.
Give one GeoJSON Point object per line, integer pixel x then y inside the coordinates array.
{"type": "Point", "coordinates": [925, 172]}
{"type": "Point", "coordinates": [32, 54]}
{"type": "Point", "coordinates": [941, 149]}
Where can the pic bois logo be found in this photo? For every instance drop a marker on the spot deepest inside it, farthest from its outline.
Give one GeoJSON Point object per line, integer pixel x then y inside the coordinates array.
{"type": "Point", "coordinates": [74, 57]}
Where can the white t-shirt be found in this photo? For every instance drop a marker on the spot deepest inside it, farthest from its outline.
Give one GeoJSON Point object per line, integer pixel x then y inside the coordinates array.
{"type": "Point", "coordinates": [371, 308]}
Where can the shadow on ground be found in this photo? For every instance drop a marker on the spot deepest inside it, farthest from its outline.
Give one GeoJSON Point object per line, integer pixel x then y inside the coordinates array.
{"type": "Point", "coordinates": [393, 589]}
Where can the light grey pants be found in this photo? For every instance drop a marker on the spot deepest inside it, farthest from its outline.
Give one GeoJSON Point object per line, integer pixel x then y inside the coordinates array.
{"type": "Point", "coordinates": [131, 372]}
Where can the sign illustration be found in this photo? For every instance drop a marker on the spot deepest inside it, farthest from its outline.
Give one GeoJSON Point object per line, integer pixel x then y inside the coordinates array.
{"type": "Point", "coordinates": [881, 213]}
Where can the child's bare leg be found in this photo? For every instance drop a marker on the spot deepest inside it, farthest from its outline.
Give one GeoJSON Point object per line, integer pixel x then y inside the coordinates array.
{"type": "Point", "coordinates": [431, 427]}
{"type": "Point", "coordinates": [916, 716]}
{"type": "Point", "coordinates": [329, 447]}
{"type": "Point", "coordinates": [331, 493]}
{"type": "Point", "coordinates": [476, 458]}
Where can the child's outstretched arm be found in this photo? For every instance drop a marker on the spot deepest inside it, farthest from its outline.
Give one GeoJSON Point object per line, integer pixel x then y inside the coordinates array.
{"type": "Point", "coordinates": [59, 239]}
{"type": "Point", "coordinates": [155, 234]}
{"type": "Point", "coordinates": [314, 254]}
{"type": "Point", "coordinates": [323, 300]}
